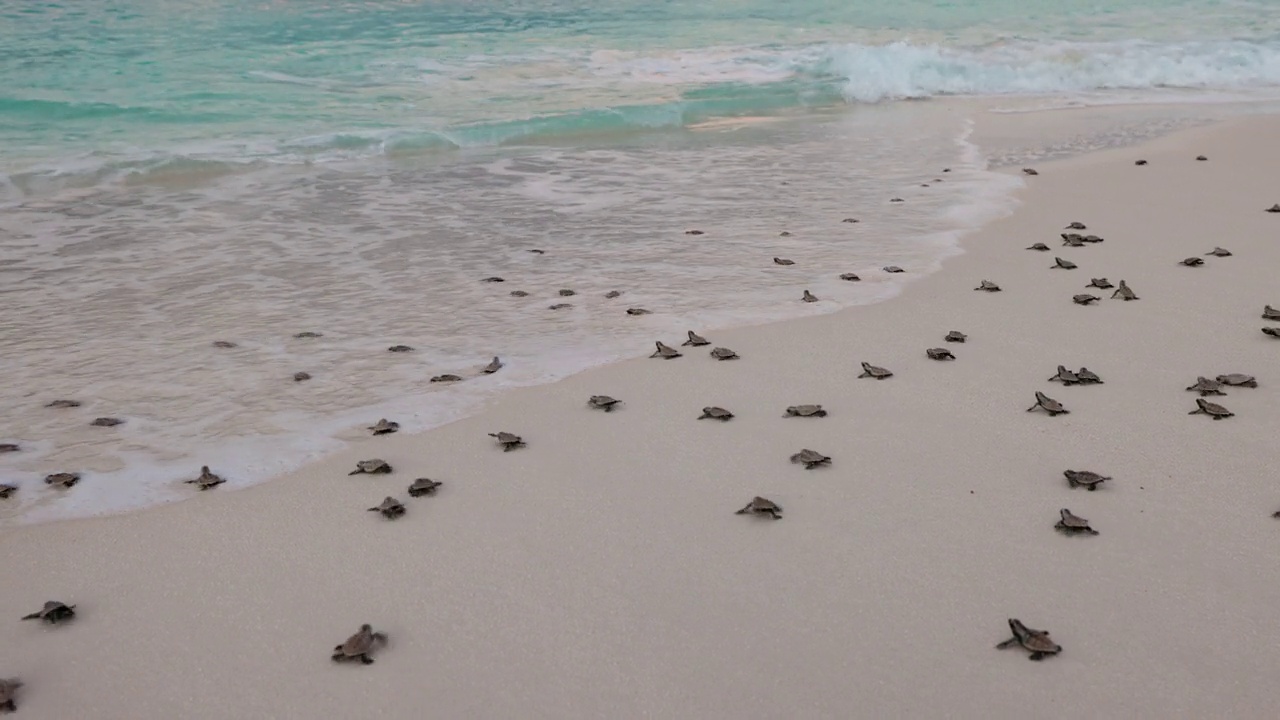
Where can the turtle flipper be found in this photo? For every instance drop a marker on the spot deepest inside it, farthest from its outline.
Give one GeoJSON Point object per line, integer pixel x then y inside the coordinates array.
{"type": "Point", "coordinates": [1007, 643]}
{"type": "Point", "coordinates": [1037, 656]}
{"type": "Point", "coordinates": [366, 659]}
{"type": "Point", "coordinates": [32, 616]}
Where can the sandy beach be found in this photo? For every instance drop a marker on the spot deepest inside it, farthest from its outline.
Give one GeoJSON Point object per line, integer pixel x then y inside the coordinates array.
{"type": "Point", "coordinates": [601, 571]}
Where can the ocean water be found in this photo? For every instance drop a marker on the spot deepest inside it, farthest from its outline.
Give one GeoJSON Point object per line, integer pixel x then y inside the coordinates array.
{"type": "Point", "coordinates": [177, 173]}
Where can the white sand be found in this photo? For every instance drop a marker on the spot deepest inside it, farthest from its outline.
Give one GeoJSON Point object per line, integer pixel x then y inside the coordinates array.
{"type": "Point", "coordinates": [601, 572]}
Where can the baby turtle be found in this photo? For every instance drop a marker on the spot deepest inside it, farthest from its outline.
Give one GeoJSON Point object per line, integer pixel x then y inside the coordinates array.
{"type": "Point", "coordinates": [1084, 478]}
{"type": "Point", "coordinates": [1084, 299]}
{"type": "Point", "coordinates": [494, 279]}
{"type": "Point", "coordinates": [300, 376]}
{"type": "Point", "coordinates": [1274, 208]}
{"type": "Point", "coordinates": [1088, 377]}
{"type": "Point", "coordinates": [613, 294]}
{"type": "Point", "coordinates": [603, 402]}
{"type": "Point", "coordinates": [1272, 331]}
{"type": "Point", "coordinates": [494, 366]}
{"type": "Point", "coordinates": [62, 481]}
{"type": "Point", "coordinates": [1205, 386]}
{"type": "Point", "coordinates": [784, 233]}
{"type": "Point", "coordinates": [1038, 246]}
{"type": "Point", "coordinates": [638, 311]}
{"type": "Point", "coordinates": [536, 251]}
{"type": "Point", "coordinates": [1091, 239]}
{"type": "Point", "coordinates": [723, 354]}
{"type": "Point", "coordinates": [446, 378]}
{"type": "Point", "coordinates": [871, 371]}
{"type": "Point", "coordinates": [1072, 240]}
{"type": "Point", "coordinates": [805, 411]}
{"type": "Point", "coordinates": [1100, 283]}
{"type": "Point", "coordinates": [566, 292]}
{"type": "Point", "coordinates": [390, 508]}
{"type": "Point", "coordinates": [1037, 642]}
{"type": "Point", "coordinates": [1139, 163]}
{"type": "Point", "coordinates": [939, 354]}
{"type": "Point", "coordinates": [207, 479]}
{"type": "Point", "coordinates": [400, 349]}
{"type": "Point", "coordinates": [850, 277]}
{"type": "Point", "coordinates": [9, 691]}
{"type": "Point", "coordinates": [695, 340]}
{"type": "Point", "coordinates": [1124, 292]}
{"type": "Point", "coordinates": [508, 441]}
{"type": "Point", "coordinates": [519, 293]}
{"type": "Point", "coordinates": [1213, 410]}
{"type": "Point", "coordinates": [1219, 252]}
{"type": "Point", "coordinates": [6, 490]}
{"type": "Point", "coordinates": [666, 352]}
{"type": "Point", "coordinates": [1076, 225]}
{"type": "Point", "coordinates": [694, 232]}
{"type": "Point", "coordinates": [715, 413]}
{"type": "Point", "coordinates": [375, 466]}
{"type": "Point", "coordinates": [9, 447]}
{"type": "Point", "coordinates": [1065, 376]}
{"type": "Point", "coordinates": [849, 220]}
{"type": "Point", "coordinates": [893, 269]}
{"type": "Point", "coordinates": [424, 486]}
{"type": "Point", "coordinates": [1029, 171]}
{"type": "Point", "coordinates": [810, 459]}
{"type": "Point", "coordinates": [783, 261]}
{"type": "Point", "coordinates": [360, 646]}
{"type": "Point", "coordinates": [1201, 158]}
{"type": "Point", "coordinates": [1238, 380]}
{"type": "Point", "coordinates": [809, 297]}
{"type": "Point", "coordinates": [64, 404]}
{"type": "Point", "coordinates": [53, 612]}
{"type": "Point", "coordinates": [307, 335]}
{"type": "Point", "coordinates": [1049, 405]}
{"type": "Point", "coordinates": [1270, 313]}
{"type": "Point", "coordinates": [1192, 262]}
{"type": "Point", "coordinates": [761, 506]}
{"type": "Point", "coordinates": [955, 336]}
{"type": "Point", "coordinates": [896, 200]}
{"type": "Point", "coordinates": [988, 286]}
{"type": "Point", "coordinates": [1063, 264]}
{"type": "Point", "coordinates": [560, 306]}
{"type": "Point", "coordinates": [224, 344]}
{"type": "Point", "coordinates": [106, 422]}
{"type": "Point", "coordinates": [384, 427]}
{"type": "Point", "coordinates": [1073, 524]}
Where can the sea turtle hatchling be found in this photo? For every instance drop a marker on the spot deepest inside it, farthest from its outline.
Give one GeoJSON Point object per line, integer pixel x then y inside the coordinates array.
{"type": "Point", "coordinates": [1139, 163]}
{"type": "Point", "coordinates": [1100, 283]}
{"type": "Point", "coordinates": [613, 294]}
{"type": "Point", "coordinates": [566, 292]}
{"type": "Point", "coordinates": [62, 480]}
{"type": "Point", "coordinates": [207, 479]}
{"type": "Point", "coordinates": [1072, 240]}
{"type": "Point", "coordinates": [664, 351]}
{"type": "Point", "coordinates": [6, 490]}
{"type": "Point", "coordinates": [1037, 642]}
{"type": "Point", "coordinates": [106, 422]}
{"type": "Point", "coordinates": [1124, 292]}
{"type": "Point", "coordinates": [871, 371]}
{"type": "Point", "coordinates": [494, 366]}
{"type": "Point", "coordinates": [1219, 252]}
{"type": "Point", "coordinates": [374, 466]}
{"type": "Point", "coordinates": [603, 402]}
{"type": "Point", "coordinates": [8, 693]}
{"type": "Point", "coordinates": [360, 646]}
{"type": "Point", "coordinates": [893, 269]}
{"type": "Point", "coordinates": [1238, 380]}
{"type": "Point", "coordinates": [695, 340]}
{"type": "Point", "coordinates": [1065, 376]}
{"type": "Point", "coordinates": [307, 335]}
{"type": "Point", "coordinates": [715, 413]}
{"type": "Point", "coordinates": [63, 404]}
{"type": "Point", "coordinates": [53, 612]}
{"type": "Point", "coordinates": [1270, 313]}
{"type": "Point", "coordinates": [1084, 478]}
{"type": "Point", "coordinates": [939, 354]}
{"type": "Point", "coordinates": [560, 306]}
{"type": "Point", "coordinates": [1084, 299]}
{"type": "Point", "coordinates": [9, 447]}
{"type": "Point", "coordinates": [1073, 524]}
{"type": "Point", "coordinates": [447, 377]}
{"type": "Point", "coordinates": [1213, 410]}
{"type": "Point", "coordinates": [850, 277]}
{"type": "Point", "coordinates": [805, 411]}
{"type": "Point", "coordinates": [424, 486]}
{"type": "Point", "coordinates": [810, 459]}
{"type": "Point", "coordinates": [390, 508]}
{"type": "Point", "coordinates": [723, 354]}
{"type": "Point", "coordinates": [1201, 158]}
{"type": "Point", "coordinates": [809, 297]}
{"type": "Point", "coordinates": [224, 344]}
{"type": "Point", "coordinates": [1088, 377]}
{"type": "Point", "coordinates": [1191, 261]}
{"type": "Point", "coordinates": [1076, 225]}
{"type": "Point", "coordinates": [1059, 263]}
{"type": "Point", "coordinates": [1039, 246]}
{"type": "Point", "coordinates": [1030, 171]}
{"type": "Point", "coordinates": [1049, 405]}
{"type": "Point", "coordinates": [783, 261]}
{"type": "Point", "coordinates": [988, 286]}
{"type": "Point", "coordinates": [1274, 208]}
{"type": "Point", "coordinates": [519, 293]}
{"type": "Point", "coordinates": [1272, 331]}
{"type": "Point", "coordinates": [955, 336]}
{"type": "Point", "coordinates": [1205, 386]}
{"type": "Point", "coordinates": [508, 441]}
{"type": "Point", "coordinates": [384, 427]}
{"type": "Point", "coordinates": [399, 349]}
{"type": "Point", "coordinates": [638, 311]}
{"type": "Point", "coordinates": [761, 506]}
{"type": "Point", "coordinates": [301, 376]}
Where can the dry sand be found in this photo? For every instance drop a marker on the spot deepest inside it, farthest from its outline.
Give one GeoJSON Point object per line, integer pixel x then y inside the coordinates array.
{"type": "Point", "coordinates": [601, 572]}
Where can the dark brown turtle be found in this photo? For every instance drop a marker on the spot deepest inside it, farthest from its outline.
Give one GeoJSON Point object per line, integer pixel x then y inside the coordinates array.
{"type": "Point", "coordinates": [424, 486]}
{"type": "Point", "coordinates": [1048, 404]}
{"type": "Point", "coordinates": [1029, 171]}
{"type": "Point", "coordinates": [988, 286]}
{"type": "Point", "coordinates": [224, 344]}
{"type": "Point", "coordinates": [360, 646]}
{"type": "Point", "coordinates": [1100, 283]}
{"type": "Point", "coordinates": [1076, 225]}
{"type": "Point", "coordinates": [53, 612]}
{"type": "Point", "coordinates": [666, 352]}
{"type": "Point", "coordinates": [1038, 246]}
{"type": "Point", "coordinates": [207, 479]}
{"type": "Point", "coordinates": [1213, 410]}
{"type": "Point", "coordinates": [1036, 642]}
{"type": "Point", "coordinates": [849, 220]}
{"type": "Point", "coordinates": [390, 508]}
{"type": "Point", "coordinates": [851, 277]}
{"type": "Point", "coordinates": [399, 349]}
{"type": "Point", "coordinates": [375, 466]}
{"type": "Point", "coordinates": [715, 413]}
{"type": "Point", "coordinates": [1139, 163]}
{"type": "Point", "coordinates": [939, 354]}
{"type": "Point", "coordinates": [384, 427]}
{"type": "Point", "coordinates": [1191, 261]}
{"type": "Point", "coordinates": [1124, 292]}
{"type": "Point", "coordinates": [9, 447]}
{"type": "Point", "coordinates": [810, 459]}
{"type": "Point", "coordinates": [1205, 386]}
{"type": "Point", "coordinates": [560, 306]}
{"type": "Point", "coordinates": [307, 335]}
{"type": "Point", "coordinates": [1201, 158]}
{"type": "Point", "coordinates": [62, 481]}
{"type": "Point", "coordinates": [1274, 208]}
{"type": "Point", "coordinates": [1237, 380]}
{"type": "Point", "coordinates": [695, 340]}
{"type": "Point", "coordinates": [301, 376]}
{"type": "Point", "coordinates": [723, 354]}
{"type": "Point", "coordinates": [447, 377]}
{"type": "Point", "coordinates": [519, 293]}
{"type": "Point", "coordinates": [63, 404]}
{"type": "Point", "coordinates": [1084, 299]}
{"type": "Point", "coordinates": [761, 506]}
{"type": "Point", "coordinates": [1219, 252]}
{"type": "Point", "coordinates": [1088, 377]}
{"type": "Point", "coordinates": [536, 251]}
{"type": "Point", "coordinates": [1073, 524]}
{"type": "Point", "coordinates": [603, 402]}
{"type": "Point", "coordinates": [106, 422]}
{"type": "Point", "coordinates": [8, 694]}
{"type": "Point", "coordinates": [896, 200]}
{"type": "Point", "coordinates": [805, 411]}
{"type": "Point", "coordinates": [955, 336]}
{"type": "Point", "coordinates": [1091, 239]}
{"type": "Point", "coordinates": [493, 279]}
{"type": "Point", "coordinates": [638, 311]}
{"type": "Point", "coordinates": [6, 490]}
{"type": "Point", "coordinates": [508, 441]}
{"type": "Point", "coordinates": [1270, 313]}
{"type": "Point", "coordinates": [613, 294]}
{"type": "Point", "coordinates": [1272, 331]}
{"type": "Point", "coordinates": [694, 232]}
{"type": "Point", "coordinates": [872, 371]}
{"type": "Point", "coordinates": [783, 261]}
{"type": "Point", "coordinates": [566, 292]}
{"type": "Point", "coordinates": [1059, 263]}
{"type": "Point", "coordinates": [494, 366]}
{"type": "Point", "coordinates": [1065, 376]}
{"type": "Point", "coordinates": [1072, 239]}
{"type": "Point", "coordinates": [893, 269]}
{"type": "Point", "coordinates": [1084, 478]}
{"type": "Point", "coordinates": [809, 297]}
